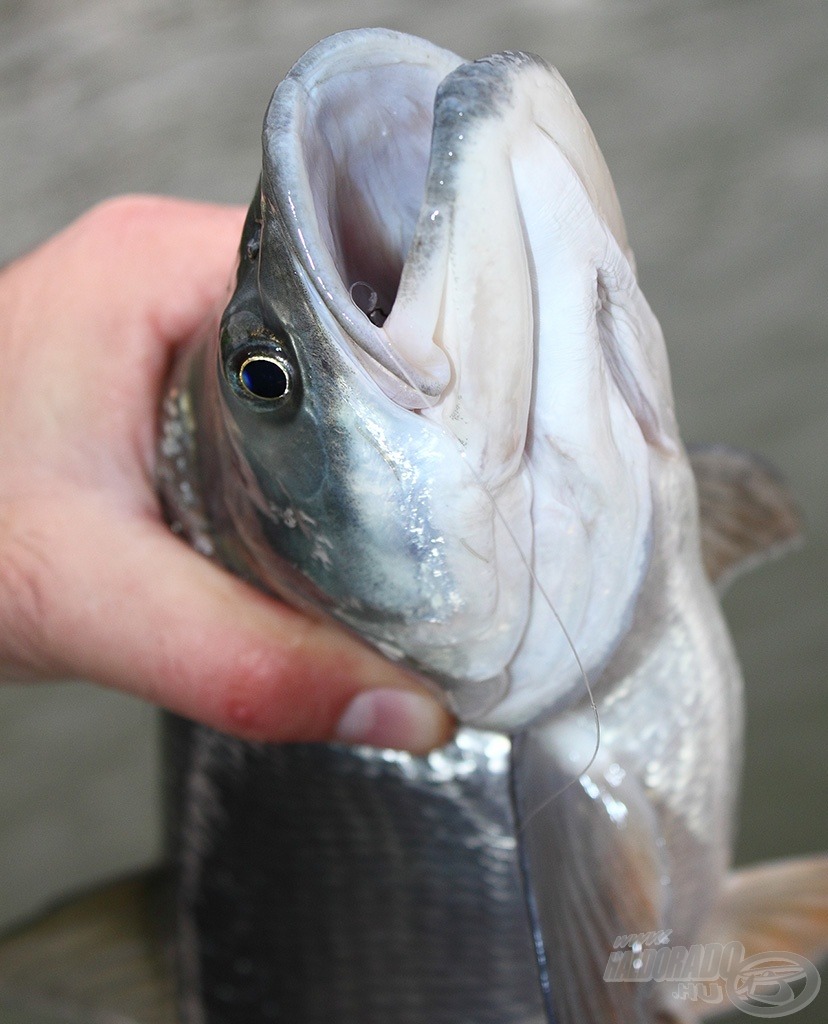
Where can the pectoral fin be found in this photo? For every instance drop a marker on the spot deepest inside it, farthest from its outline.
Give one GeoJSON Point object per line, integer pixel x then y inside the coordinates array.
{"type": "Point", "coordinates": [747, 512]}
{"type": "Point", "coordinates": [97, 960]}
{"type": "Point", "coordinates": [595, 873]}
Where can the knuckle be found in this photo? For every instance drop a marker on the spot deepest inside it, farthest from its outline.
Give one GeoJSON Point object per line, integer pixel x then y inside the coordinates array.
{"type": "Point", "coordinates": [265, 697]}
{"type": "Point", "coordinates": [249, 694]}
{"type": "Point", "coordinates": [235, 690]}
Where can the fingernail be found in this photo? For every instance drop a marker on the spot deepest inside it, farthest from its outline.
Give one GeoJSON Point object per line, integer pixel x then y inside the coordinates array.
{"type": "Point", "coordinates": [400, 719]}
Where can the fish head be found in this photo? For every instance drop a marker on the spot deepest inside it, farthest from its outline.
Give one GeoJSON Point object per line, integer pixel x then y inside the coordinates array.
{"type": "Point", "coordinates": [431, 418]}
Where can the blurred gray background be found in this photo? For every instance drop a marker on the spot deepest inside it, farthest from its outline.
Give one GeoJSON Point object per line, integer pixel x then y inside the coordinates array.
{"type": "Point", "coordinates": [712, 117]}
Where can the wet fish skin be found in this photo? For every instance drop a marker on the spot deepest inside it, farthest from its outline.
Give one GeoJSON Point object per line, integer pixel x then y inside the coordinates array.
{"type": "Point", "coordinates": [658, 799]}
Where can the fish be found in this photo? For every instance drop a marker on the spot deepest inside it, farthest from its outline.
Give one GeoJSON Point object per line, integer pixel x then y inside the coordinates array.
{"type": "Point", "coordinates": [438, 408]}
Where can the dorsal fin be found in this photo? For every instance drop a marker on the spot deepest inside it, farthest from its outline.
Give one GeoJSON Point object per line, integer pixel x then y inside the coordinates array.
{"type": "Point", "coordinates": [747, 512]}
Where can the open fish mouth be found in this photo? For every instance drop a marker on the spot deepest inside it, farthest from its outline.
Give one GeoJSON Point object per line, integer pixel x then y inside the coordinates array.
{"type": "Point", "coordinates": [366, 149]}
{"type": "Point", "coordinates": [348, 140]}
{"type": "Point", "coordinates": [373, 154]}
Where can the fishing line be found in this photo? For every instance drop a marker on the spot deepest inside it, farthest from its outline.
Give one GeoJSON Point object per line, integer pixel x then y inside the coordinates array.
{"type": "Point", "coordinates": [530, 815]}
{"type": "Point", "coordinates": [365, 298]}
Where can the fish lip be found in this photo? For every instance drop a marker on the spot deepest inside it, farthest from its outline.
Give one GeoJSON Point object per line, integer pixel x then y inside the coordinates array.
{"type": "Point", "coordinates": [287, 191]}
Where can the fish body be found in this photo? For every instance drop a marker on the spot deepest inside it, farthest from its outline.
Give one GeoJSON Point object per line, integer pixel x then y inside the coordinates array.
{"type": "Point", "coordinates": [438, 408]}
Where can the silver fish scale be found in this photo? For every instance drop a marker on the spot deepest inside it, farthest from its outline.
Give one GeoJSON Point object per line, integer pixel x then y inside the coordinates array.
{"type": "Point", "coordinates": [175, 471]}
{"type": "Point", "coordinates": [675, 722]}
{"type": "Point", "coordinates": [386, 886]}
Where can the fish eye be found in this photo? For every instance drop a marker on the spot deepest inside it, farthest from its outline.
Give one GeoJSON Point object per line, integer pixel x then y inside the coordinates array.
{"type": "Point", "coordinates": [259, 366]}
{"type": "Point", "coordinates": [266, 377]}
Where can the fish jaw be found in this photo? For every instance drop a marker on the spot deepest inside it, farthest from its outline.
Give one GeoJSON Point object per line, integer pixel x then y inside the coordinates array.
{"type": "Point", "coordinates": [467, 484]}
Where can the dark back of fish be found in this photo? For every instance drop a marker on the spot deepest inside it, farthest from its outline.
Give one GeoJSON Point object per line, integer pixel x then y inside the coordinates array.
{"type": "Point", "coordinates": [324, 884]}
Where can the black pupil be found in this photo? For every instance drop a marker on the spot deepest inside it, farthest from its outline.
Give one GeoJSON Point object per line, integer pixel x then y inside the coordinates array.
{"type": "Point", "coordinates": [264, 378]}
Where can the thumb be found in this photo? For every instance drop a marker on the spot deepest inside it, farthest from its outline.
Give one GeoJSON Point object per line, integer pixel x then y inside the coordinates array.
{"type": "Point", "coordinates": [121, 601]}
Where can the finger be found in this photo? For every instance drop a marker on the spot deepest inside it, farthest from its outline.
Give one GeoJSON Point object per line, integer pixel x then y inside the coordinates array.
{"type": "Point", "coordinates": [90, 320]}
{"type": "Point", "coordinates": [150, 616]}
{"type": "Point", "coordinates": [162, 261]}
{"type": "Point", "coordinates": [174, 260]}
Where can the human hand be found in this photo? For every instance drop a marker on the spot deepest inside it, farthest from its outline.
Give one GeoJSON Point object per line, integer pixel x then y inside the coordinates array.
{"type": "Point", "coordinates": [92, 583]}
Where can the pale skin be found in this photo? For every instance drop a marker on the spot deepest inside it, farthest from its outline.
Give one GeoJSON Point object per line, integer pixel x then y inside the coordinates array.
{"type": "Point", "coordinates": [92, 583]}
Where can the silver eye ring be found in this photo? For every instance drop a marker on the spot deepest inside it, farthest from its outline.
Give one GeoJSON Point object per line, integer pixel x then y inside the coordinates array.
{"type": "Point", "coordinates": [266, 377]}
